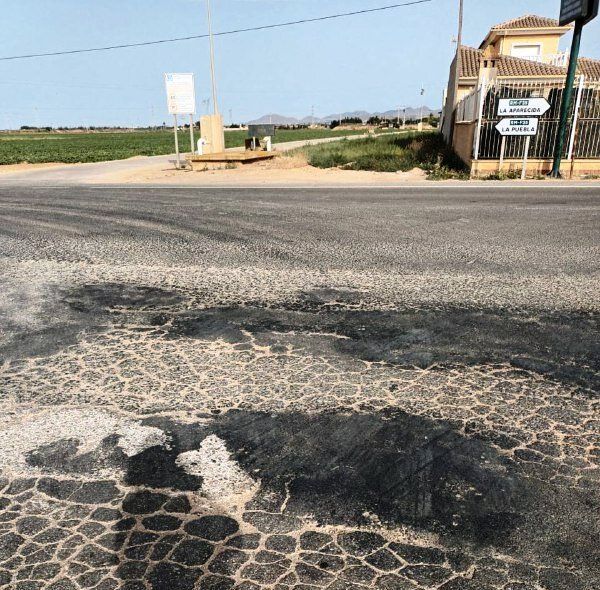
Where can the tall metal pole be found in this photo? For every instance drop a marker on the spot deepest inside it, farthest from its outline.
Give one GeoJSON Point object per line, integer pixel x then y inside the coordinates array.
{"type": "Point", "coordinates": [458, 67]}
{"type": "Point", "coordinates": [212, 59]}
{"type": "Point", "coordinates": [567, 98]}
{"type": "Point", "coordinates": [575, 117]}
{"type": "Point", "coordinates": [175, 130]}
{"type": "Point", "coordinates": [192, 134]}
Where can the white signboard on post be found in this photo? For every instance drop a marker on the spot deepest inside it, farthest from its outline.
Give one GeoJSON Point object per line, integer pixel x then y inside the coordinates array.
{"type": "Point", "coordinates": [181, 97]}
{"type": "Point", "coordinates": [522, 107]}
{"type": "Point", "coordinates": [518, 126]}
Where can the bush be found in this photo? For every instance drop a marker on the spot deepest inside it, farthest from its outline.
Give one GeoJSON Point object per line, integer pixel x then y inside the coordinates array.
{"type": "Point", "coordinates": [390, 153]}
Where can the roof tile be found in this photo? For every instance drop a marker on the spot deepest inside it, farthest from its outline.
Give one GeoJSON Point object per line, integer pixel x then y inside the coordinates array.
{"type": "Point", "coordinates": [590, 68]}
{"type": "Point", "coordinates": [529, 21]}
{"type": "Point", "coordinates": [514, 66]}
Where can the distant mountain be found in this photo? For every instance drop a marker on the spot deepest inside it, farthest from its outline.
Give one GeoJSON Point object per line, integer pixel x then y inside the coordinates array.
{"type": "Point", "coordinates": [364, 115]}
{"type": "Point", "coordinates": [275, 119]}
{"type": "Point", "coordinates": [411, 113]}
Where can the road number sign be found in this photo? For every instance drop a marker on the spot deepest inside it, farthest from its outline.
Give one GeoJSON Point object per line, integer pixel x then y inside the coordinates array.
{"type": "Point", "coordinates": [522, 107]}
{"type": "Point", "coordinates": [572, 10]}
{"type": "Point", "coordinates": [521, 126]}
{"type": "Point", "coordinates": [181, 97]}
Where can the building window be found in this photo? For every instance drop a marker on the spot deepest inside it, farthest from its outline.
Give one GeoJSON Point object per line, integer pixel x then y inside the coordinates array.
{"type": "Point", "coordinates": [530, 51]}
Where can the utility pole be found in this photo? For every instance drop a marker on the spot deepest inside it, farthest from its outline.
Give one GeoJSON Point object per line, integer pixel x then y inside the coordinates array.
{"type": "Point", "coordinates": [458, 56]}
{"type": "Point", "coordinates": [212, 59]}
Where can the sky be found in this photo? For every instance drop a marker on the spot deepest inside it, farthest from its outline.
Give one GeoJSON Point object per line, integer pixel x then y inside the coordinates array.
{"type": "Point", "coordinates": [372, 62]}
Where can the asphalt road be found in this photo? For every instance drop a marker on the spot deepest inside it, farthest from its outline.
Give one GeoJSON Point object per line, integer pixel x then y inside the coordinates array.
{"type": "Point", "coordinates": [340, 388]}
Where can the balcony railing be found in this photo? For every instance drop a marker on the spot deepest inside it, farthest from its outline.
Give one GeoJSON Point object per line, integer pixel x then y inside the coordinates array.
{"type": "Point", "coordinates": [554, 59]}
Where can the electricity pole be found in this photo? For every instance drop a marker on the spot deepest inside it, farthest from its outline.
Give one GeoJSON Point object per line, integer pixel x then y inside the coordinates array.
{"type": "Point", "coordinates": [212, 59]}
{"type": "Point", "coordinates": [458, 54]}
{"type": "Point", "coordinates": [458, 66]}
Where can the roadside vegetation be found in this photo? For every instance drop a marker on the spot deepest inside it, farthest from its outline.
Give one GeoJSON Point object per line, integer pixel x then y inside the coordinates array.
{"type": "Point", "coordinates": [45, 147]}
{"type": "Point", "coordinates": [389, 153]}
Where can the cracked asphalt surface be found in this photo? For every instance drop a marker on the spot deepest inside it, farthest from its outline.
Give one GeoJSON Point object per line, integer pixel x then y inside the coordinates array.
{"type": "Point", "coordinates": [308, 388]}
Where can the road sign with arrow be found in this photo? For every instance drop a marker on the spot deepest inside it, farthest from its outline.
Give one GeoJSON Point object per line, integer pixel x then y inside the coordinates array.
{"type": "Point", "coordinates": [518, 126]}
{"type": "Point", "coordinates": [523, 107]}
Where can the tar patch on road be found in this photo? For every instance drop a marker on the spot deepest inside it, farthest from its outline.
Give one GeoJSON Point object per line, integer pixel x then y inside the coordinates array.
{"type": "Point", "coordinates": [562, 346]}
{"type": "Point", "coordinates": [337, 468]}
{"type": "Point", "coordinates": [404, 469]}
{"type": "Point", "coordinates": [390, 469]}
{"type": "Point", "coordinates": [64, 315]}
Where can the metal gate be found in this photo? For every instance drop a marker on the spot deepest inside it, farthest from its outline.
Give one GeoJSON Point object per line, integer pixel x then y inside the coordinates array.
{"type": "Point", "coordinates": [583, 130]}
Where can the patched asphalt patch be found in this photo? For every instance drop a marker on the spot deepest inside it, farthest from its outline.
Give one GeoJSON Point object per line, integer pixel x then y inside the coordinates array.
{"type": "Point", "coordinates": [404, 469]}
{"type": "Point", "coordinates": [338, 468]}
{"type": "Point", "coordinates": [560, 345]}
{"type": "Point", "coordinates": [352, 470]}
{"type": "Point", "coordinates": [64, 315]}
{"type": "Point", "coordinates": [105, 297]}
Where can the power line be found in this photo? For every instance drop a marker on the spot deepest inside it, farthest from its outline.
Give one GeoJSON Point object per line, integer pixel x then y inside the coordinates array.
{"type": "Point", "coordinates": [221, 34]}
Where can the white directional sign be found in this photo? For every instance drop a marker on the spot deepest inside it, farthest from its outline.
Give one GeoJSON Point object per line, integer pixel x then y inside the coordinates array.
{"type": "Point", "coordinates": [518, 126]}
{"type": "Point", "coordinates": [181, 97]}
{"type": "Point", "coordinates": [522, 107]}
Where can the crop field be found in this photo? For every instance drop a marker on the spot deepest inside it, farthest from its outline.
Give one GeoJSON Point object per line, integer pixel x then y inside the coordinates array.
{"type": "Point", "coordinates": [41, 147]}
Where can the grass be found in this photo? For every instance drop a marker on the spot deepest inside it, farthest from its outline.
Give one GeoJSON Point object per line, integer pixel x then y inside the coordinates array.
{"type": "Point", "coordinates": [96, 147]}
{"type": "Point", "coordinates": [390, 153]}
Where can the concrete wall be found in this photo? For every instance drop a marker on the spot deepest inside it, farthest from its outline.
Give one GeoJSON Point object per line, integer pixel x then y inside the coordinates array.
{"type": "Point", "coordinates": [575, 169]}
{"type": "Point", "coordinates": [462, 141]}
{"type": "Point", "coordinates": [448, 111]}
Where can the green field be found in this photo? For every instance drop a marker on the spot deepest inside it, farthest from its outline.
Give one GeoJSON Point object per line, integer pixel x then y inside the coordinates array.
{"type": "Point", "coordinates": [388, 153]}
{"type": "Point", "coordinates": [96, 147]}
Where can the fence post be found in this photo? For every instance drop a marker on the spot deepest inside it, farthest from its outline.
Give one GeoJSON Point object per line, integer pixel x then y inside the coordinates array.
{"type": "Point", "coordinates": [482, 97]}
{"type": "Point", "coordinates": [525, 157]}
{"type": "Point", "coordinates": [575, 117]}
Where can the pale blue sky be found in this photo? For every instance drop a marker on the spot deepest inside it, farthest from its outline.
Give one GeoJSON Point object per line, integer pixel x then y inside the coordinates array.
{"type": "Point", "coordinates": [373, 62]}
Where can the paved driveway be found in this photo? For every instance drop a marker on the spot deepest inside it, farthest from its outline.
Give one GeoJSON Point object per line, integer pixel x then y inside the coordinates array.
{"type": "Point", "coordinates": [390, 389]}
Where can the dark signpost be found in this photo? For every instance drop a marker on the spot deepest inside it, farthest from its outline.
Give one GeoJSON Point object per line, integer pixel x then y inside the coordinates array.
{"type": "Point", "coordinates": [574, 10]}
{"type": "Point", "coordinates": [581, 12]}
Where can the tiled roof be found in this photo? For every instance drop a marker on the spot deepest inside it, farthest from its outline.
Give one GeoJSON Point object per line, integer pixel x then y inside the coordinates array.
{"type": "Point", "coordinates": [590, 68]}
{"type": "Point", "coordinates": [469, 61]}
{"type": "Point", "coordinates": [529, 21]}
{"type": "Point", "coordinates": [507, 66]}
